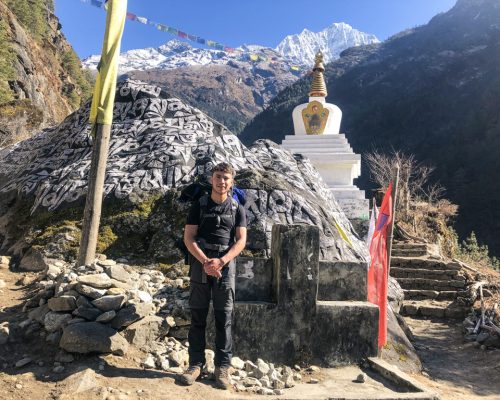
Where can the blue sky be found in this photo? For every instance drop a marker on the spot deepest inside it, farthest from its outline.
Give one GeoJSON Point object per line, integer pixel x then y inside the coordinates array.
{"type": "Point", "coordinates": [237, 22]}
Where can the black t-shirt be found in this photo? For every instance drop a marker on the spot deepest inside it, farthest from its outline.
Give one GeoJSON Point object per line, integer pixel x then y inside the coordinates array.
{"type": "Point", "coordinates": [217, 224]}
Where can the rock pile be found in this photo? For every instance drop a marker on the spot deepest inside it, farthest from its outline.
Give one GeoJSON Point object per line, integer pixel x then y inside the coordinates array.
{"type": "Point", "coordinates": [259, 377]}
{"type": "Point", "coordinates": [102, 307]}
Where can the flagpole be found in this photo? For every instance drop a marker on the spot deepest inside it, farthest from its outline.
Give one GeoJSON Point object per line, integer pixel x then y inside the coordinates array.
{"type": "Point", "coordinates": [101, 116]}
{"type": "Point", "coordinates": [393, 219]}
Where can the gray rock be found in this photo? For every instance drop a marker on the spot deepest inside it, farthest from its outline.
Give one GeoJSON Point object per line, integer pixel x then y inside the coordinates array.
{"type": "Point", "coordinates": [58, 369]}
{"type": "Point", "coordinates": [24, 361]}
{"type": "Point", "coordinates": [54, 338]}
{"type": "Point", "coordinates": [361, 378]}
{"type": "Point", "coordinates": [62, 303]}
{"type": "Point", "coordinates": [82, 301]}
{"type": "Point", "coordinates": [81, 381]}
{"type": "Point", "coordinates": [64, 357]}
{"type": "Point", "coordinates": [118, 272]}
{"type": "Point", "coordinates": [108, 303]}
{"type": "Point", "coordinates": [89, 313]}
{"type": "Point", "coordinates": [54, 321]}
{"type": "Point", "coordinates": [38, 314]}
{"type": "Point", "coordinates": [278, 392]}
{"type": "Point", "coordinates": [265, 391]}
{"type": "Point", "coordinates": [106, 263]}
{"type": "Point", "coordinates": [261, 370]}
{"type": "Point", "coordinates": [237, 363]}
{"type": "Point", "coordinates": [92, 337]}
{"type": "Point", "coordinates": [146, 331]}
{"type": "Point", "coordinates": [179, 358]}
{"type": "Point", "coordinates": [132, 313]}
{"type": "Point", "coordinates": [90, 291]}
{"type": "Point", "coordinates": [149, 362]}
{"type": "Point", "coordinates": [33, 260]}
{"type": "Point", "coordinates": [99, 281]}
{"type": "Point", "coordinates": [106, 317]}
{"type": "Point", "coordinates": [53, 271]}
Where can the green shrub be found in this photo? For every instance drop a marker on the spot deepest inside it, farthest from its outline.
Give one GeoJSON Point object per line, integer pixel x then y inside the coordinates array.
{"type": "Point", "coordinates": [470, 250]}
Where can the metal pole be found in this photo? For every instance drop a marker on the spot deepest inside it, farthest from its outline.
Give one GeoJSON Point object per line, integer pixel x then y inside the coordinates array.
{"type": "Point", "coordinates": [393, 219]}
{"type": "Point", "coordinates": [93, 203]}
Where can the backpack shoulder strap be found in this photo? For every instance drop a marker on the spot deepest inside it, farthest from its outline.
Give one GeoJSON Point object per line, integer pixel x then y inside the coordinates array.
{"type": "Point", "coordinates": [203, 201]}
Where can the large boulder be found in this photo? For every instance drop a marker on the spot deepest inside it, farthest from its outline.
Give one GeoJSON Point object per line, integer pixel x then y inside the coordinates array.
{"type": "Point", "coordinates": [159, 146]}
{"type": "Point", "coordinates": [92, 337]}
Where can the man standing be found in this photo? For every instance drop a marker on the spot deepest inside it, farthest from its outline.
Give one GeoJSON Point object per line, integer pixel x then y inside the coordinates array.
{"type": "Point", "coordinates": [215, 234]}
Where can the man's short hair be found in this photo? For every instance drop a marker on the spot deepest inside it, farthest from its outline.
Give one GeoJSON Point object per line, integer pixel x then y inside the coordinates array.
{"type": "Point", "coordinates": [223, 167]}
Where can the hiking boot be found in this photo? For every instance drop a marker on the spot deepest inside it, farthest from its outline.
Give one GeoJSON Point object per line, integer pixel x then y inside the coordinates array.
{"type": "Point", "coordinates": [222, 380]}
{"type": "Point", "coordinates": [191, 375]}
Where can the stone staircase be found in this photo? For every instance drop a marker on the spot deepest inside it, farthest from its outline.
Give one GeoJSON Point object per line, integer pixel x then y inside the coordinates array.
{"type": "Point", "coordinates": [430, 282]}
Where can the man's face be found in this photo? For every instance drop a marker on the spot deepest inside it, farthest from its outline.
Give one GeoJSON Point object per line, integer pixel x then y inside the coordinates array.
{"type": "Point", "coordinates": [221, 182]}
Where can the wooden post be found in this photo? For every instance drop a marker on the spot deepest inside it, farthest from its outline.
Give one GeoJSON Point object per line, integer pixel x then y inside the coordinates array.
{"type": "Point", "coordinates": [93, 203]}
{"type": "Point", "coordinates": [393, 219]}
{"type": "Point", "coordinates": [101, 116]}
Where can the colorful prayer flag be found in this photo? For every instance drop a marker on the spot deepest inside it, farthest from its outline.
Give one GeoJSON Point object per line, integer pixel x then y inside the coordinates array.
{"type": "Point", "coordinates": [182, 34]}
{"type": "Point", "coordinates": [162, 28]}
{"type": "Point", "coordinates": [254, 57]}
{"type": "Point", "coordinates": [378, 271]}
{"type": "Point", "coordinates": [193, 38]}
{"type": "Point", "coordinates": [201, 40]}
{"type": "Point", "coordinates": [210, 43]}
{"type": "Point", "coordinates": [142, 20]}
{"type": "Point", "coordinates": [96, 3]}
{"type": "Point", "coordinates": [173, 31]}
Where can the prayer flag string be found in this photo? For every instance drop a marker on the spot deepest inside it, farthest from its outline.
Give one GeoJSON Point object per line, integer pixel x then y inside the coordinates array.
{"type": "Point", "coordinates": [193, 38]}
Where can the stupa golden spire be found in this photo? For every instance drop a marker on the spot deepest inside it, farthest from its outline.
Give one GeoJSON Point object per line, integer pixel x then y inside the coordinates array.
{"type": "Point", "coordinates": [318, 87]}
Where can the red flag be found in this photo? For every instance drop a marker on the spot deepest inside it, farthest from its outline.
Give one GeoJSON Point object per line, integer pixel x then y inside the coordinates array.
{"type": "Point", "coordinates": [377, 273]}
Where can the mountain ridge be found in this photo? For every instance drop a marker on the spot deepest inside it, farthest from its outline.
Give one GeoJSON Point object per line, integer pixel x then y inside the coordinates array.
{"type": "Point", "coordinates": [431, 91]}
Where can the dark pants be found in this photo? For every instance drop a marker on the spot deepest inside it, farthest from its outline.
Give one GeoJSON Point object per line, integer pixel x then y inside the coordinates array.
{"type": "Point", "coordinates": [221, 292]}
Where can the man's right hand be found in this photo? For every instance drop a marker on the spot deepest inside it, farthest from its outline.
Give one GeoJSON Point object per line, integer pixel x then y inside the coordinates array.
{"type": "Point", "coordinates": [212, 267]}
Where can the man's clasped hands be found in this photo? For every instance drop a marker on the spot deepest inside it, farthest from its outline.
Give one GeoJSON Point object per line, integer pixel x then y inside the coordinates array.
{"type": "Point", "coordinates": [212, 267]}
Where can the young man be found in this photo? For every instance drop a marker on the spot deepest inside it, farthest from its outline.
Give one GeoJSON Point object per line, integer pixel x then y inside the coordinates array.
{"type": "Point", "coordinates": [215, 234]}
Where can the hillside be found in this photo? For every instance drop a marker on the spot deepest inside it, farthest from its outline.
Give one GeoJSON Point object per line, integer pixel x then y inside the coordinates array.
{"type": "Point", "coordinates": [232, 94]}
{"type": "Point", "coordinates": [41, 80]}
{"type": "Point", "coordinates": [432, 91]}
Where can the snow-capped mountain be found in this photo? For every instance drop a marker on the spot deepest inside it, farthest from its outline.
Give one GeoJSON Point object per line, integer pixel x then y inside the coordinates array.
{"type": "Point", "coordinates": [294, 50]}
{"type": "Point", "coordinates": [171, 55]}
{"type": "Point", "coordinates": [301, 48]}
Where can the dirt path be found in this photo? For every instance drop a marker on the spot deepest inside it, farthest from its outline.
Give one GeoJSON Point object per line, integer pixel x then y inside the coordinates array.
{"type": "Point", "coordinates": [456, 370]}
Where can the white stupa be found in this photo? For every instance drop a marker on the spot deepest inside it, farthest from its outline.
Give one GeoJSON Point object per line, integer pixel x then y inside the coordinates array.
{"type": "Point", "coordinates": [317, 137]}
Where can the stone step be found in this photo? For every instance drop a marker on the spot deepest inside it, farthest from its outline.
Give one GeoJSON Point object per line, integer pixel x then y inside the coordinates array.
{"type": "Point", "coordinates": [439, 274]}
{"type": "Point", "coordinates": [430, 284]}
{"type": "Point", "coordinates": [435, 309]}
{"type": "Point", "coordinates": [405, 245]}
{"type": "Point", "coordinates": [412, 252]}
{"type": "Point", "coordinates": [430, 294]}
{"type": "Point", "coordinates": [424, 263]}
